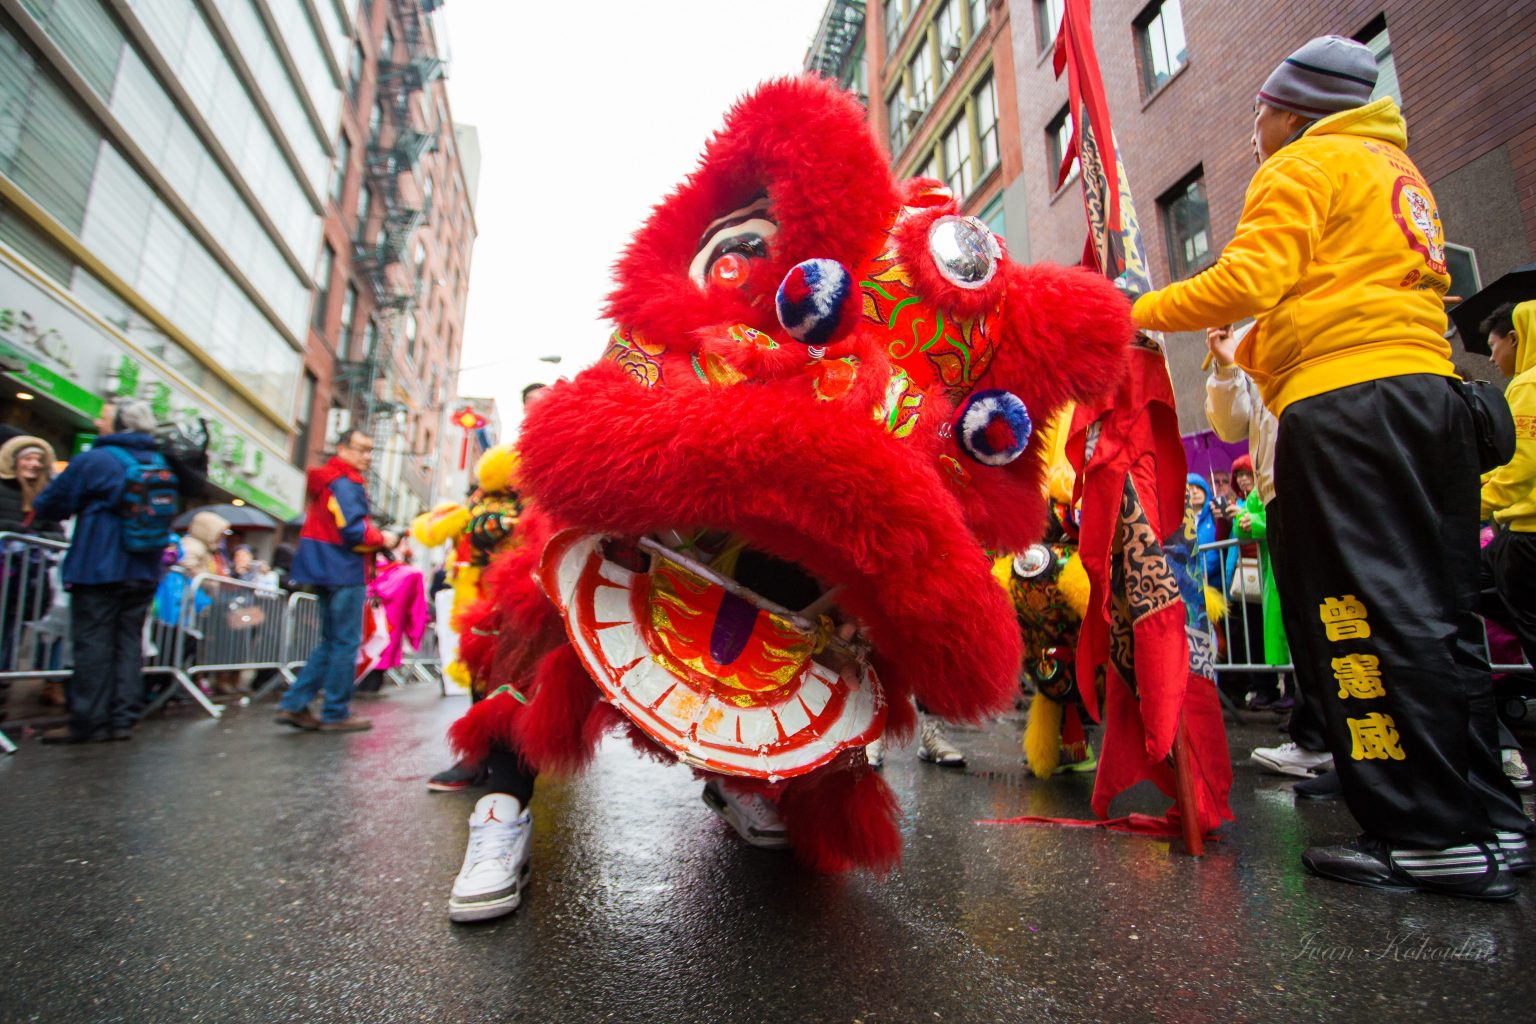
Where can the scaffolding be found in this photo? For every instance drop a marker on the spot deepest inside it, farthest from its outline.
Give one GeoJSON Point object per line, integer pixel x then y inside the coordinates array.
{"type": "Point", "coordinates": [396, 148]}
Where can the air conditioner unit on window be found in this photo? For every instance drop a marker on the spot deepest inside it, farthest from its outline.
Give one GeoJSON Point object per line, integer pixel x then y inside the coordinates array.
{"type": "Point", "coordinates": [950, 50]}
{"type": "Point", "coordinates": [913, 116]}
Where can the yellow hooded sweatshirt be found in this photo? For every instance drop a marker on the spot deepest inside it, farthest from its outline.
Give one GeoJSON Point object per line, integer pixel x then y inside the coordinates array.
{"type": "Point", "coordinates": [1509, 492]}
{"type": "Point", "coordinates": [1339, 256]}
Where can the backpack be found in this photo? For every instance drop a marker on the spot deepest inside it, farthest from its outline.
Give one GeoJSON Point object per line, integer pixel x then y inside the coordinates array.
{"type": "Point", "coordinates": [149, 502]}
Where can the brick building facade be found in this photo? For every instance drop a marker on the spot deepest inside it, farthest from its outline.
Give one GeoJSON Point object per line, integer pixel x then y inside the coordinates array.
{"type": "Point", "coordinates": [1181, 77]}
{"type": "Point", "coordinates": [1461, 76]}
{"type": "Point", "coordinates": [392, 275]}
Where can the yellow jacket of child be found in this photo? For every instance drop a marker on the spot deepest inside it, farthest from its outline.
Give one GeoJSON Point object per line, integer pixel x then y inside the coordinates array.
{"type": "Point", "coordinates": [1339, 256]}
{"type": "Point", "coordinates": [1509, 492]}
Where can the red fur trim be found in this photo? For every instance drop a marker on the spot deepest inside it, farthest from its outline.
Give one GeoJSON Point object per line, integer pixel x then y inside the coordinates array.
{"type": "Point", "coordinates": [477, 639]}
{"type": "Point", "coordinates": [551, 732]}
{"type": "Point", "coordinates": [606, 455]}
{"type": "Point", "coordinates": [911, 238]}
{"type": "Point", "coordinates": [805, 143]}
{"type": "Point", "coordinates": [1062, 336]}
{"type": "Point", "coordinates": [487, 724]}
{"type": "Point", "coordinates": [842, 818]}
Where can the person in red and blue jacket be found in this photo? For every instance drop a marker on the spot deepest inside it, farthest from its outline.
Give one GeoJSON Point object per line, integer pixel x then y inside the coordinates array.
{"type": "Point", "coordinates": [336, 548]}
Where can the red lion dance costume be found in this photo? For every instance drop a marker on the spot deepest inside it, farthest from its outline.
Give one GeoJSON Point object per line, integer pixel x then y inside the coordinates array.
{"type": "Point", "coordinates": [760, 522]}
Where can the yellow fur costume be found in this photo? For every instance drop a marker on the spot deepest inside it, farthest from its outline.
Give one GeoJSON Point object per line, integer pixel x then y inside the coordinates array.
{"type": "Point", "coordinates": [478, 531]}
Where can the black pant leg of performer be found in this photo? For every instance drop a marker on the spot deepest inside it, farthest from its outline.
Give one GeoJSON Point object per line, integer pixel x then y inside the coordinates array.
{"type": "Point", "coordinates": [508, 774]}
{"type": "Point", "coordinates": [1512, 558]}
{"type": "Point", "coordinates": [1306, 724]}
{"type": "Point", "coordinates": [1386, 597]}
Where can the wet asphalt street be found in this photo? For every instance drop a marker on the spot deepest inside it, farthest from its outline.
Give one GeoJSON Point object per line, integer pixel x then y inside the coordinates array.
{"type": "Point", "coordinates": [235, 871]}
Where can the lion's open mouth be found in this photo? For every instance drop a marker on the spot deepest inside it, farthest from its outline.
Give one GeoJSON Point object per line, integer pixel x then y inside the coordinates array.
{"type": "Point", "coordinates": [738, 661]}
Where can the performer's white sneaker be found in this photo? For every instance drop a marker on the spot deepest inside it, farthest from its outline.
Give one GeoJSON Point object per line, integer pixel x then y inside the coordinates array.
{"type": "Point", "coordinates": [754, 818]}
{"type": "Point", "coordinates": [496, 863]}
{"type": "Point", "coordinates": [934, 746]}
{"type": "Point", "coordinates": [1289, 759]}
{"type": "Point", "coordinates": [874, 752]}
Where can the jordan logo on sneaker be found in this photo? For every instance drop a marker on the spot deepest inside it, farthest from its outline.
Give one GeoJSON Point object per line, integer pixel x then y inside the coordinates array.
{"type": "Point", "coordinates": [490, 816]}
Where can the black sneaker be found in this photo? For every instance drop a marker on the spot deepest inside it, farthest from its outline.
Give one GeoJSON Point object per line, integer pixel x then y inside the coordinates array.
{"type": "Point", "coordinates": [460, 776]}
{"type": "Point", "coordinates": [1472, 871]}
{"type": "Point", "coordinates": [1517, 852]}
{"type": "Point", "coordinates": [1326, 786]}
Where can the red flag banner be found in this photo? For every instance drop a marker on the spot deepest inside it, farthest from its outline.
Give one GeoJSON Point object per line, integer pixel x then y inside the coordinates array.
{"type": "Point", "coordinates": [1144, 655]}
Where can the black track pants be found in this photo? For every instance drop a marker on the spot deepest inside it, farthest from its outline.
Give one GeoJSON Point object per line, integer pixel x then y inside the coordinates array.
{"type": "Point", "coordinates": [1377, 485]}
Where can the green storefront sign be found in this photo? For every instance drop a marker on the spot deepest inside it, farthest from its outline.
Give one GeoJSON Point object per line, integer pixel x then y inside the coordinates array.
{"type": "Point", "coordinates": [54, 349]}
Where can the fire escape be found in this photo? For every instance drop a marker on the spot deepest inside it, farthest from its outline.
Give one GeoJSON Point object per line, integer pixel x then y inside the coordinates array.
{"type": "Point", "coordinates": [396, 147]}
{"type": "Point", "coordinates": [835, 53]}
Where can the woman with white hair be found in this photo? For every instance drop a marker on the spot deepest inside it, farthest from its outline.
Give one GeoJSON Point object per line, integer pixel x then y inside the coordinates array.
{"type": "Point", "coordinates": [26, 467]}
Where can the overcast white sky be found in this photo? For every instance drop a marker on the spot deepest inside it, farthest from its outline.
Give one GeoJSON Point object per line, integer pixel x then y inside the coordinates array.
{"type": "Point", "coordinates": [588, 114]}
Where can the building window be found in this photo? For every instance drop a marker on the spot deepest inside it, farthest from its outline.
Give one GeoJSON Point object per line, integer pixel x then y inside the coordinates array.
{"type": "Point", "coordinates": [355, 73]}
{"type": "Point", "coordinates": [979, 17]}
{"type": "Point", "coordinates": [1058, 139]}
{"type": "Point", "coordinates": [372, 337]}
{"type": "Point", "coordinates": [986, 123]}
{"type": "Point", "coordinates": [364, 200]}
{"type": "Point", "coordinates": [323, 286]}
{"type": "Point", "coordinates": [1047, 21]}
{"type": "Point", "coordinates": [343, 166]}
{"type": "Point", "coordinates": [1187, 220]}
{"type": "Point", "coordinates": [348, 322]}
{"type": "Point", "coordinates": [305, 417]}
{"type": "Point", "coordinates": [410, 335]}
{"type": "Point", "coordinates": [1160, 34]}
{"type": "Point", "coordinates": [895, 24]}
{"type": "Point", "coordinates": [921, 71]}
{"type": "Point", "coordinates": [959, 169]}
{"type": "Point", "coordinates": [896, 112]}
{"type": "Point", "coordinates": [1375, 36]}
{"type": "Point", "coordinates": [951, 44]}
{"type": "Point", "coordinates": [375, 123]}
{"type": "Point", "coordinates": [992, 216]}
{"type": "Point", "coordinates": [387, 46]}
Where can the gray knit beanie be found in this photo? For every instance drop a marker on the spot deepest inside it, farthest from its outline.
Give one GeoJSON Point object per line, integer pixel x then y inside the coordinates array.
{"type": "Point", "coordinates": [1325, 76]}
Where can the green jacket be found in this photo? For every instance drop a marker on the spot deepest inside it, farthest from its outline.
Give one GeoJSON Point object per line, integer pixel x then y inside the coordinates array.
{"type": "Point", "coordinates": [1276, 650]}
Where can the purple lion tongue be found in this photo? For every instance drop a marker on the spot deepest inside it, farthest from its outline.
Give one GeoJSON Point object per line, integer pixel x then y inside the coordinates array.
{"type": "Point", "coordinates": [733, 627]}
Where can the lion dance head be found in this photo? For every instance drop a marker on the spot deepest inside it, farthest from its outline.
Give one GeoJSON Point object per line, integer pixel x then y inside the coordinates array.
{"type": "Point", "coordinates": [763, 517]}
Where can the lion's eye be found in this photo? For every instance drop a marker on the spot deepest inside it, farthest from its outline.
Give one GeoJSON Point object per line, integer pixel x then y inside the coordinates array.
{"type": "Point", "coordinates": [730, 262]}
{"type": "Point", "coordinates": [731, 244]}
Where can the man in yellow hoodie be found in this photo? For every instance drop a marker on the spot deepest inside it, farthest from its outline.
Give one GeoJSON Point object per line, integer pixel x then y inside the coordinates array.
{"type": "Point", "coordinates": [1509, 497]}
{"type": "Point", "coordinates": [1340, 258]}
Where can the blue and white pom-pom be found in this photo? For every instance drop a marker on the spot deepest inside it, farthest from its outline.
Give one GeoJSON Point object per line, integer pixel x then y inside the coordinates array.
{"type": "Point", "coordinates": [813, 301]}
{"type": "Point", "coordinates": [994, 427]}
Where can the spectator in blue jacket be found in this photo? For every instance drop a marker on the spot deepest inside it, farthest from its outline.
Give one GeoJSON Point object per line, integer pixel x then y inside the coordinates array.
{"type": "Point", "coordinates": [336, 549]}
{"type": "Point", "coordinates": [110, 588]}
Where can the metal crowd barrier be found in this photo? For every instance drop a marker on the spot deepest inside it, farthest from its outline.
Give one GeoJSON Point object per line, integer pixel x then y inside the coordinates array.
{"type": "Point", "coordinates": [301, 632]}
{"type": "Point", "coordinates": [1239, 640]}
{"type": "Point", "coordinates": [197, 626]}
{"type": "Point", "coordinates": [224, 627]}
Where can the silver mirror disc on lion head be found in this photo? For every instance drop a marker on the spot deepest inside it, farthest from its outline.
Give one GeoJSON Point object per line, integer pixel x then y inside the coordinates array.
{"type": "Point", "coordinates": [965, 250]}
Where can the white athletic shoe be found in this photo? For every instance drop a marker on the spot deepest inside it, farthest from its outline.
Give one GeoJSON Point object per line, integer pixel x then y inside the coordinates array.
{"type": "Point", "coordinates": [496, 863]}
{"type": "Point", "coordinates": [1289, 759]}
{"type": "Point", "coordinates": [754, 818]}
{"type": "Point", "coordinates": [1514, 767]}
{"type": "Point", "coordinates": [934, 746]}
{"type": "Point", "coordinates": [874, 752]}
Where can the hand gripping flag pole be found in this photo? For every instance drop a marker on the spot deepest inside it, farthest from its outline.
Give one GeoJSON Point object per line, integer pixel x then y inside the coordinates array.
{"type": "Point", "coordinates": [1160, 712]}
